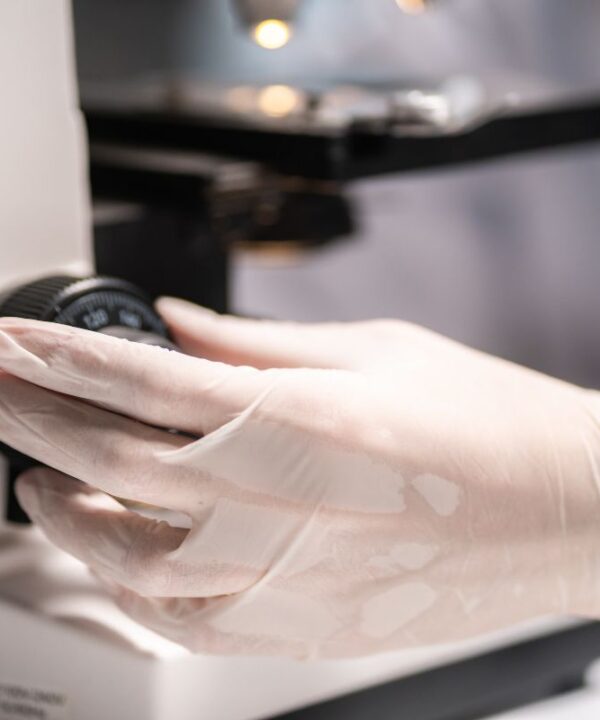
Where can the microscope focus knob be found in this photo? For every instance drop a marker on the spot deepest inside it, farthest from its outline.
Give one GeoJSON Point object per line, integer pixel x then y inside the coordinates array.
{"type": "Point", "coordinates": [108, 305]}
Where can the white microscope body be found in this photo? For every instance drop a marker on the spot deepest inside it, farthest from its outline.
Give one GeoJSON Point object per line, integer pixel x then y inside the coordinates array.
{"type": "Point", "coordinates": [44, 199]}
{"type": "Point", "coordinates": [44, 204]}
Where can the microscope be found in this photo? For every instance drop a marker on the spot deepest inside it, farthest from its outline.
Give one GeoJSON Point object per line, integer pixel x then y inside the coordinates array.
{"type": "Point", "coordinates": [148, 190]}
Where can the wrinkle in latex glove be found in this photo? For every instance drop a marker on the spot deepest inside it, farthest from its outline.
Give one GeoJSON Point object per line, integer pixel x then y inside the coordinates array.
{"type": "Point", "coordinates": [354, 489]}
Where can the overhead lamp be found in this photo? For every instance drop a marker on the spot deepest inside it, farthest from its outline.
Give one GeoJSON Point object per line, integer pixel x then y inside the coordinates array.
{"type": "Point", "coordinates": [270, 23]}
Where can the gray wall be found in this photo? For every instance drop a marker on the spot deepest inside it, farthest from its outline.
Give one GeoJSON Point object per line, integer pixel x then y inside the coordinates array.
{"type": "Point", "coordinates": [558, 38]}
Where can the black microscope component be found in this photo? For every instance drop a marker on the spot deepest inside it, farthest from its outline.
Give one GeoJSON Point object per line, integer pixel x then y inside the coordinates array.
{"type": "Point", "coordinates": [102, 304]}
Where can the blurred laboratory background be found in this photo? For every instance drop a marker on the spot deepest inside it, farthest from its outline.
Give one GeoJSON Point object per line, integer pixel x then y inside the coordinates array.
{"type": "Point", "coordinates": [503, 254]}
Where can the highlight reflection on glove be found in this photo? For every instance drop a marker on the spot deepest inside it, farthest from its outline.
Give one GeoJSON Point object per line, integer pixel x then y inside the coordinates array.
{"type": "Point", "coordinates": [355, 488]}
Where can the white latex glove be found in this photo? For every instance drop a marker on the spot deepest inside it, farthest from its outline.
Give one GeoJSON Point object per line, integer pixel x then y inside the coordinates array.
{"type": "Point", "coordinates": [358, 488]}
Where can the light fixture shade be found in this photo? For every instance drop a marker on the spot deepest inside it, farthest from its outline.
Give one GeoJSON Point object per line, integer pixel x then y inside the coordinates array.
{"type": "Point", "coordinates": [253, 12]}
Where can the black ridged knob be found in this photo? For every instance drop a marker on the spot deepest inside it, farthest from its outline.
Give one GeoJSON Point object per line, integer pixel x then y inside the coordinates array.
{"type": "Point", "coordinates": [102, 304]}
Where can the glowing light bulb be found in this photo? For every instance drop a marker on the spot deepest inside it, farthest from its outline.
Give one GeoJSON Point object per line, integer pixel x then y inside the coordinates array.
{"type": "Point", "coordinates": [272, 34]}
{"type": "Point", "coordinates": [412, 7]}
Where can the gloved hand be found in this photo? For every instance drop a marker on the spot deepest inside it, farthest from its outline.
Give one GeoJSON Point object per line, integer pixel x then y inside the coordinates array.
{"type": "Point", "coordinates": [356, 488]}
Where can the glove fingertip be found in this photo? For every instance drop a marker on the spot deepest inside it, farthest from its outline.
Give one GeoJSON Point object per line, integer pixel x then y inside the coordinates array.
{"type": "Point", "coordinates": [27, 490]}
{"type": "Point", "coordinates": [171, 307]}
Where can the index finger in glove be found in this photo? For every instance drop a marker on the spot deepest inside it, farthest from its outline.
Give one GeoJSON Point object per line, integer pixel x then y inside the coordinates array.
{"type": "Point", "coordinates": [260, 343]}
{"type": "Point", "coordinates": [147, 383]}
